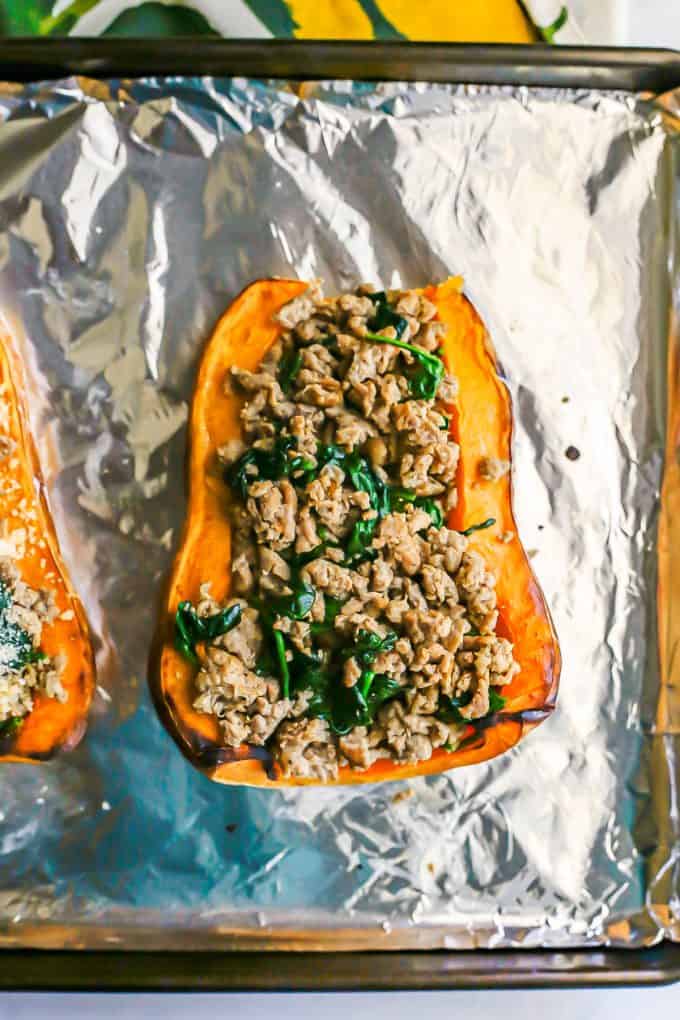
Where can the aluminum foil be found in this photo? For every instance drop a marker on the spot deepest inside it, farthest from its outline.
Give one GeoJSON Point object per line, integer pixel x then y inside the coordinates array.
{"type": "Point", "coordinates": [131, 213]}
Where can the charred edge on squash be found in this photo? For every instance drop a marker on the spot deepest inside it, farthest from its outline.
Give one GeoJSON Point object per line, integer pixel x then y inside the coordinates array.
{"type": "Point", "coordinates": [206, 754]}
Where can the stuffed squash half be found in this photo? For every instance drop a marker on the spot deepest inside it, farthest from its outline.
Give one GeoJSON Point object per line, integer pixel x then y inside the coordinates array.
{"type": "Point", "coordinates": [350, 601]}
{"type": "Point", "coordinates": [47, 672]}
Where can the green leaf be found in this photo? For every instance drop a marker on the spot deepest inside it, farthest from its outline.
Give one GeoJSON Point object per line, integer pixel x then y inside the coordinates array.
{"type": "Point", "coordinates": [329, 453]}
{"type": "Point", "coordinates": [331, 609]}
{"type": "Point", "coordinates": [363, 477]}
{"type": "Point", "coordinates": [385, 316]}
{"type": "Point", "coordinates": [369, 646]}
{"type": "Point", "coordinates": [381, 690]}
{"type": "Point", "coordinates": [298, 604]}
{"type": "Point", "coordinates": [496, 701]}
{"type": "Point", "coordinates": [284, 673]}
{"type": "Point", "coordinates": [273, 465]}
{"type": "Point", "coordinates": [549, 32]}
{"type": "Point", "coordinates": [309, 672]}
{"type": "Point", "coordinates": [62, 23]}
{"type": "Point", "coordinates": [346, 707]}
{"type": "Point", "coordinates": [275, 16]}
{"type": "Point", "coordinates": [190, 628]}
{"type": "Point", "coordinates": [360, 539]}
{"type": "Point", "coordinates": [382, 28]}
{"type": "Point", "coordinates": [488, 523]}
{"type": "Point", "coordinates": [220, 623]}
{"type": "Point", "coordinates": [430, 505]}
{"type": "Point", "coordinates": [158, 19]}
{"type": "Point", "coordinates": [298, 560]}
{"type": "Point", "coordinates": [449, 708]}
{"type": "Point", "coordinates": [18, 17]}
{"type": "Point", "coordinates": [424, 380]}
{"type": "Point", "coordinates": [289, 367]}
{"type": "Point", "coordinates": [356, 706]}
{"type": "Point", "coordinates": [400, 498]}
{"type": "Point", "coordinates": [10, 726]}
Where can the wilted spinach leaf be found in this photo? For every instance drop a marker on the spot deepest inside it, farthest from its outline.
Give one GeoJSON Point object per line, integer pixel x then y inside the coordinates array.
{"type": "Point", "coordinates": [424, 380]}
{"type": "Point", "coordinates": [190, 628]}
{"type": "Point", "coordinates": [289, 367]}
{"type": "Point", "coordinates": [298, 604]}
{"type": "Point", "coordinates": [272, 465]}
{"type": "Point", "coordinates": [10, 726]}
{"type": "Point", "coordinates": [488, 523]}
{"type": "Point", "coordinates": [496, 701]}
{"type": "Point", "coordinates": [386, 316]}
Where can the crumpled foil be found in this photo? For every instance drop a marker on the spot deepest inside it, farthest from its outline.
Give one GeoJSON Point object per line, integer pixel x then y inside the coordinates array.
{"type": "Point", "coordinates": [131, 214]}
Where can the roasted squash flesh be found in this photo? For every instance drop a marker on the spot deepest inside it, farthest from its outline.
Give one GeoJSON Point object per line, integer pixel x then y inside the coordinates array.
{"type": "Point", "coordinates": [31, 549]}
{"type": "Point", "coordinates": [481, 424]}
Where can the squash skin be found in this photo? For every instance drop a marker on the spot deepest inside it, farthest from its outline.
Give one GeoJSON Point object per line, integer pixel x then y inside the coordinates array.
{"type": "Point", "coordinates": [50, 727]}
{"type": "Point", "coordinates": [242, 336]}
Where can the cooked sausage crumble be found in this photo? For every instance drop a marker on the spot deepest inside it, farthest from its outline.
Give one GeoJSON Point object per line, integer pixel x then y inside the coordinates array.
{"type": "Point", "coordinates": [361, 627]}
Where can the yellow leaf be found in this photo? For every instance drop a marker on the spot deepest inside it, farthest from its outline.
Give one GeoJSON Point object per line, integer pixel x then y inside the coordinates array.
{"type": "Point", "coordinates": [458, 20]}
{"type": "Point", "coordinates": [330, 19]}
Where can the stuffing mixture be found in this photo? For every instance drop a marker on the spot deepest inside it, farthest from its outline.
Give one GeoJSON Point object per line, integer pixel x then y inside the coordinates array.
{"type": "Point", "coordinates": [24, 669]}
{"type": "Point", "coordinates": [361, 627]}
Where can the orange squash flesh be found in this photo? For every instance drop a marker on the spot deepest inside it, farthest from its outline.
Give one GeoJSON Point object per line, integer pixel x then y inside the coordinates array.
{"type": "Point", "coordinates": [481, 424]}
{"type": "Point", "coordinates": [51, 726]}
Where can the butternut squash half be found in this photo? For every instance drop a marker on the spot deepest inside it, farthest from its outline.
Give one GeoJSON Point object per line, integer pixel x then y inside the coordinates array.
{"type": "Point", "coordinates": [29, 542]}
{"type": "Point", "coordinates": [481, 425]}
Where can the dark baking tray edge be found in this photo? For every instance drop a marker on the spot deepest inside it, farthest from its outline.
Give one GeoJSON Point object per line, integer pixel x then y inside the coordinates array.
{"type": "Point", "coordinates": [587, 67]}
{"type": "Point", "coordinates": [116, 971]}
{"type": "Point", "coordinates": [637, 70]}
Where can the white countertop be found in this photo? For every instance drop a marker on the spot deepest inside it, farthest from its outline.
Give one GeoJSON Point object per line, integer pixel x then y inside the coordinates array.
{"type": "Point", "coordinates": [601, 1004]}
{"type": "Point", "coordinates": [632, 22]}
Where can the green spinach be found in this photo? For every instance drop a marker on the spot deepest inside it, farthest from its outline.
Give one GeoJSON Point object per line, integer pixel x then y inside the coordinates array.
{"type": "Point", "coordinates": [488, 523]}
{"type": "Point", "coordinates": [190, 628]}
{"type": "Point", "coordinates": [356, 706]}
{"type": "Point", "coordinates": [272, 464]}
{"type": "Point", "coordinates": [400, 498]}
{"type": "Point", "coordinates": [496, 701]}
{"type": "Point", "coordinates": [289, 366]}
{"type": "Point", "coordinates": [449, 708]}
{"type": "Point", "coordinates": [424, 380]}
{"type": "Point", "coordinates": [284, 673]}
{"type": "Point", "coordinates": [386, 316]}
{"type": "Point", "coordinates": [10, 726]}
{"type": "Point", "coordinates": [331, 609]}
{"type": "Point", "coordinates": [369, 646]}
{"type": "Point", "coordinates": [345, 707]}
{"type": "Point", "coordinates": [298, 604]}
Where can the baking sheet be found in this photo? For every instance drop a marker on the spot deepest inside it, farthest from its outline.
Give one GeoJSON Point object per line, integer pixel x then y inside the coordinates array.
{"type": "Point", "coordinates": [131, 213]}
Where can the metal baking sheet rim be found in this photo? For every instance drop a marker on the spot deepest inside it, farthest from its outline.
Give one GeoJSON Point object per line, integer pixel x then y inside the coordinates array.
{"type": "Point", "coordinates": [236, 945]}
{"type": "Point", "coordinates": [110, 971]}
{"type": "Point", "coordinates": [632, 69]}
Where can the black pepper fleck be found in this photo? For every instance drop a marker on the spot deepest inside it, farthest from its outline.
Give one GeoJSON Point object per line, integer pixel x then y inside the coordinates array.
{"type": "Point", "coordinates": [572, 453]}
{"type": "Point", "coordinates": [540, 527]}
{"type": "Point", "coordinates": [565, 400]}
